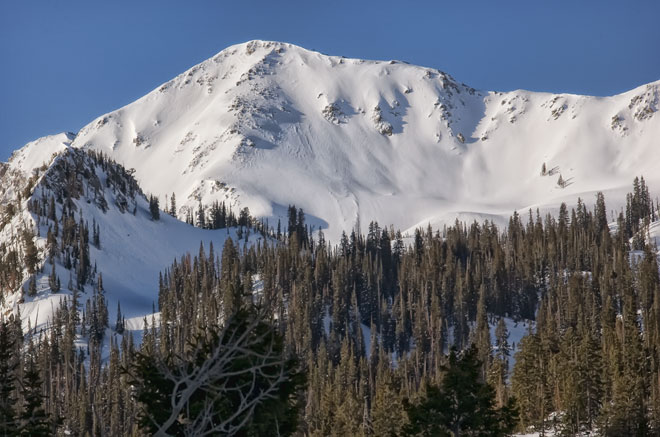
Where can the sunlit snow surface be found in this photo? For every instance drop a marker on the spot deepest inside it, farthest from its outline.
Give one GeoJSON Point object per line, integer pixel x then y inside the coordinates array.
{"type": "Point", "coordinates": [269, 124]}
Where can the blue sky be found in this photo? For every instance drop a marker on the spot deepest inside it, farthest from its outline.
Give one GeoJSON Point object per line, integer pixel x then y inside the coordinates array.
{"type": "Point", "coordinates": [66, 62]}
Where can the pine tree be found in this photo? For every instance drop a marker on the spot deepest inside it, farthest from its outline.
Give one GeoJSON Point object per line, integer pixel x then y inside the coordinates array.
{"type": "Point", "coordinates": [482, 334]}
{"type": "Point", "coordinates": [529, 381]}
{"type": "Point", "coordinates": [8, 365]}
{"type": "Point", "coordinates": [231, 284]}
{"type": "Point", "coordinates": [54, 281]}
{"type": "Point", "coordinates": [172, 210]}
{"type": "Point", "coordinates": [32, 286]}
{"type": "Point", "coordinates": [600, 214]}
{"type": "Point", "coordinates": [96, 235]}
{"type": "Point", "coordinates": [201, 216]}
{"type": "Point", "coordinates": [499, 370]}
{"type": "Point", "coordinates": [154, 208]}
{"type": "Point", "coordinates": [83, 269]}
{"type": "Point", "coordinates": [387, 411]}
{"type": "Point", "coordinates": [33, 419]}
{"type": "Point", "coordinates": [590, 371]}
{"type": "Point", "coordinates": [460, 405]}
{"type": "Point", "coordinates": [31, 253]}
{"type": "Point", "coordinates": [119, 324]}
{"type": "Point", "coordinates": [629, 413]}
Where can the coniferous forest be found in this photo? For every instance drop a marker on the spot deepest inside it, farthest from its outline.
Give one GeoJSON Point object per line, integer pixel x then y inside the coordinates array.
{"type": "Point", "coordinates": [379, 335]}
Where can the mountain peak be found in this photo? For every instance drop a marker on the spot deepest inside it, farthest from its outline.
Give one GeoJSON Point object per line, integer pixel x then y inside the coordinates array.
{"type": "Point", "coordinates": [265, 124]}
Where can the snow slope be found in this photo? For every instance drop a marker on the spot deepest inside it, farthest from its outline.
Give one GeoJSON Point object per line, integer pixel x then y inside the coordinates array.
{"type": "Point", "coordinates": [267, 124]}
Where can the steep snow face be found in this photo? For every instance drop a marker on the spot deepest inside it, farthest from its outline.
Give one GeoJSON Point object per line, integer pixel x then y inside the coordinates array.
{"type": "Point", "coordinates": [266, 124]}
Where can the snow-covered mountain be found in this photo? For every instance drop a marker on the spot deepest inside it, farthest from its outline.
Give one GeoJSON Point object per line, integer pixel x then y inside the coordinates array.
{"type": "Point", "coordinates": [269, 124]}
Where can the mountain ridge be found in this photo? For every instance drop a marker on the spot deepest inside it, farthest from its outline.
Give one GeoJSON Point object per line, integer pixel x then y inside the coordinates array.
{"type": "Point", "coordinates": [79, 208]}
{"type": "Point", "coordinates": [266, 124]}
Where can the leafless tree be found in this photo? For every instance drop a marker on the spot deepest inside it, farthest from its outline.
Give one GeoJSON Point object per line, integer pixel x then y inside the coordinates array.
{"type": "Point", "coordinates": [210, 368]}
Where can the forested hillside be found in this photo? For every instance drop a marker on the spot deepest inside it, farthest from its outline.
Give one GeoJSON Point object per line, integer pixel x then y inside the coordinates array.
{"type": "Point", "coordinates": [372, 336]}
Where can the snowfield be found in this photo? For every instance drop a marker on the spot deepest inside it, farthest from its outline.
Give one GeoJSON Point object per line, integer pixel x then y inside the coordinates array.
{"type": "Point", "coordinates": [267, 124]}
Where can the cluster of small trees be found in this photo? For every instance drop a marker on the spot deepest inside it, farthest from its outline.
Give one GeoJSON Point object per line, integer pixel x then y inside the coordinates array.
{"type": "Point", "coordinates": [154, 208]}
{"type": "Point", "coordinates": [67, 242]}
{"type": "Point", "coordinates": [639, 213]}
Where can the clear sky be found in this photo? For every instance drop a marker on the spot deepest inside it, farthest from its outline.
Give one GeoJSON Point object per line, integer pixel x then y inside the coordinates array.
{"type": "Point", "coordinates": [63, 63]}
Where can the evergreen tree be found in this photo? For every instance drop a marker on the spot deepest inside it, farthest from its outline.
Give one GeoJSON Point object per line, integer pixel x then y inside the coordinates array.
{"type": "Point", "coordinates": [629, 391]}
{"type": "Point", "coordinates": [119, 324]}
{"type": "Point", "coordinates": [201, 216]}
{"type": "Point", "coordinates": [154, 208]}
{"type": "Point", "coordinates": [529, 384]}
{"type": "Point", "coordinates": [388, 414]}
{"type": "Point", "coordinates": [172, 210]}
{"type": "Point", "coordinates": [561, 182]}
{"type": "Point", "coordinates": [499, 370]}
{"type": "Point", "coordinates": [54, 281]}
{"type": "Point", "coordinates": [460, 405]}
{"type": "Point", "coordinates": [231, 281]}
{"type": "Point", "coordinates": [32, 286]}
{"type": "Point", "coordinates": [482, 340]}
{"type": "Point", "coordinates": [8, 365]}
{"type": "Point", "coordinates": [33, 419]}
{"type": "Point", "coordinates": [31, 252]}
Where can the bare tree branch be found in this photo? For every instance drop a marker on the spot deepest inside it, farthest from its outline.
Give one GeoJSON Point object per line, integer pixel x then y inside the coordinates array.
{"type": "Point", "coordinates": [238, 361]}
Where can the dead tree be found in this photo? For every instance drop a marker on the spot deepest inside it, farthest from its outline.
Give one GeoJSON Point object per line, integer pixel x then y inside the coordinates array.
{"type": "Point", "coordinates": [215, 387]}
